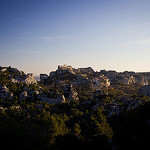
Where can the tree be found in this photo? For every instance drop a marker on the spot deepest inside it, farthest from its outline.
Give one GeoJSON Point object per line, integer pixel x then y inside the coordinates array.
{"type": "Point", "coordinates": [100, 126]}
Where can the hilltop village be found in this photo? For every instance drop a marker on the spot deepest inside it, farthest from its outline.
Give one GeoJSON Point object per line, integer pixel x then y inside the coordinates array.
{"type": "Point", "coordinates": [83, 85]}
{"type": "Point", "coordinates": [98, 83]}
{"type": "Point", "coordinates": [80, 103]}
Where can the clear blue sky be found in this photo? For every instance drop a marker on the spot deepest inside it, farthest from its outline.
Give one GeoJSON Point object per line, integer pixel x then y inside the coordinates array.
{"type": "Point", "coordinates": [38, 35]}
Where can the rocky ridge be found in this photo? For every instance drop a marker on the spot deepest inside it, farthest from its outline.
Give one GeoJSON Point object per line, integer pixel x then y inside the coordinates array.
{"type": "Point", "coordinates": [15, 83]}
{"type": "Point", "coordinates": [73, 102]}
{"type": "Point", "coordinates": [100, 82]}
{"type": "Point", "coordinates": [16, 75]}
{"type": "Point", "coordinates": [70, 81]}
{"type": "Point", "coordinates": [126, 77]}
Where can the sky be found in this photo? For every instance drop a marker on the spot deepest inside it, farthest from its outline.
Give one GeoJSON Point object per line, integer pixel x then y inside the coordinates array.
{"type": "Point", "coordinates": [38, 35]}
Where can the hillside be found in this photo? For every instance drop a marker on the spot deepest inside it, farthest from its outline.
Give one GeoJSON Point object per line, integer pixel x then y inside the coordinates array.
{"type": "Point", "coordinates": [73, 108]}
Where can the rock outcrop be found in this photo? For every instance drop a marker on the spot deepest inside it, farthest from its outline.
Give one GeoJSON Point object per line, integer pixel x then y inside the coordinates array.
{"type": "Point", "coordinates": [73, 96]}
{"type": "Point", "coordinates": [126, 77]}
{"type": "Point", "coordinates": [16, 75]}
{"type": "Point", "coordinates": [62, 69]}
{"type": "Point", "coordinates": [58, 99]}
{"type": "Point", "coordinates": [29, 79]}
{"type": "Point", "coordinates": [5, 93]}
{"type": "Point", "coordinates": [100, 82]}
{"type": "Point", "coordinates": [67, 73]}
{"type": "Point", "coordinates": [87, 70]}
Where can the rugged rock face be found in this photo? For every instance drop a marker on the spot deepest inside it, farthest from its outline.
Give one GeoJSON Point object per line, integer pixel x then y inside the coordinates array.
{"type": "Point", "coordinates": [62, 98]}
{"type": "Point", "coordinates": [29, 79]}
{"type": "Point", "coordinates": [87, 70]}
{"type": "Point", "coordinates": [13, 75]}
{"type": "Point", "coordinates": [144, 90]}
{"type": "Point", "coordinates": [67, 73]}
{"type": "Point", "coordinates": [5, 93]}
{"type": "Point", "coordinates": [126, 77]}
{"type": "Point", "coordinates": [100, 82]}
{"type": "Point", "coordinates": [143, 80]}
{"type": "Point", "coordinates": [58, 99]}
{"type": "Point", "coordinates": [73, 95]}
{"type": "Point", "coordinates": [62, 69]}
{"type": "Point", "coordinates": [63, 72]}
{"type": "Point", "coordinates": [96, 80]}
{"type": "Point", "coordinates": [16, 75]}
{"type": "Point", "coordinates": [3, 69]}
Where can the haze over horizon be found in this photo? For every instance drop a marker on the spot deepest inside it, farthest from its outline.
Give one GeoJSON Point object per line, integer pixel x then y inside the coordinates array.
{"type": "Point", "coordinates": [38, 35]}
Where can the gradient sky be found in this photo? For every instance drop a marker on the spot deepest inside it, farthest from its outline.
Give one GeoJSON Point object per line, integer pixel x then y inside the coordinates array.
{"type": "Point", "coordinates": [38, 35]}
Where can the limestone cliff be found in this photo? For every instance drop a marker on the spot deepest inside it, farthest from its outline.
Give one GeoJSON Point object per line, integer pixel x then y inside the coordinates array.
{"type": "Point", "coordinates": [126, 77]}
{"type": "Point", "coordinates": [16, 75]}
{"type": "Point", "coordinates": [29, 79]}
{"type": "Point", "coordinates": [100, 82]}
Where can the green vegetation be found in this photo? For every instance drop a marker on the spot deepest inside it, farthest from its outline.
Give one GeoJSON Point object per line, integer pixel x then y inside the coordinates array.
{"type": "Point", "coordinates": [30, 127]}
{"type": "Point", "coordinates": [29, 123]}
{"type": "Point", "coordinates": [131, 131]}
